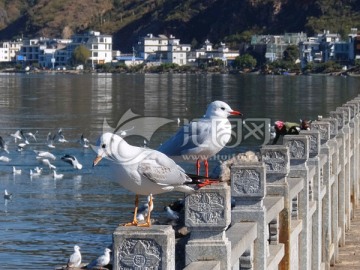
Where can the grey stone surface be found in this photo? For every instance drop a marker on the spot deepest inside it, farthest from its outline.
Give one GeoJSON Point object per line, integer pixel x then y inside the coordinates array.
{"type": "Point", "coordinates": [207, 214]}
{"type": "Point", "coordinates": [277, 162]}
{"type": "Point", "coordinates": [144, 248]}
{"type": "Point", "coordinates": [324, 129]}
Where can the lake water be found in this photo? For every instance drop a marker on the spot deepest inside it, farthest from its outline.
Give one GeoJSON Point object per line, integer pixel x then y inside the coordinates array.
{"type": "Point", "coordinates": [47, 217]}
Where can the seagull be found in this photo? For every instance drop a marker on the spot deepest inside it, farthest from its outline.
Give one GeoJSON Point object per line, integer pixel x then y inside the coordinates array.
{"type": "Point", "coordinates": [15, 171]}
{"type": "Point", "coordinates": [19, 135]}
{"type": "Point", "coordinates": [144, 210]}
{"type": "Point", "coordinates": [4, 159]}
{"type": "Point", "coordinates": [3, 145]}
{"type": "Point", "coordinates": [61, 136]}
{"type": "Point", "coordinates": [73, 161]}
{"type": "Point", "coordinates": [101, 261]}
{"type": "Point", "coordinates": [50, 140]}
{"type": "Point", "coordinates": [44, 154]}
{"type": "Point", "coordinates": [21, 147]}
{"type": "Point", "coordinates": [46, 162]}
{"type": "Point", "coordinates": [84, 141]}
{"type": "Point", "coordinates": [57, 176]}
{"type": "Point", "coordinates": [171, 214]}
{"type": "Point", "coordinates": [143, 171]}
{"type": "Point", "coordinates": [75, 258]}
{"type": "Point", "coordinates": [37, 172]}
{"type": "Point", "coordinates": [32, 135]}
{"type": "Point", "coordinates": [7, 196]}
{"type": "Point", "coordinates": [202, 139]}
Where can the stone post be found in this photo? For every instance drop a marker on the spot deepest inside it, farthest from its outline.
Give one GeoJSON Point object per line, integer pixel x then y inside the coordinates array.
{"type": "Point", "coordinates": [248, 189]}
{"type": "Point", "coordinates": [299, 155]}
{"type": "Point", "coordinates": [324, 129]}
{"type": "Point", "coordinates": [316, 162]}
{"type": "Point", "coordinates": [207, 215]}
{"type": "Point", "coordinates": [144, 248]}
{"type": "Point", "coordinates": [277, 163]}
{"type": "Point", "coordinates": [347, 180]}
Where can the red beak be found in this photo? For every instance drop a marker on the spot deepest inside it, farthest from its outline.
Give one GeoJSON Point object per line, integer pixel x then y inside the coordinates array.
{"type": "Point", "coordinates": [236, 113]}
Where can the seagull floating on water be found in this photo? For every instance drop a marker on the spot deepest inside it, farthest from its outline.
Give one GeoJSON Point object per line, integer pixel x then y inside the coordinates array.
{"type": "Point", "coordinates": [75, 258]}
{"type": "Point", "coordinates": [84, 141]}
{"type": "Point", "coordinates": [101, 261]}
{"type": "Point", "coordinates": [61, 136]}
{"type": "Point", "coordinates": [50, 140]}
{"type": "Point", "coordinates": [73, 161]}
{"type": "Point", "coordinates": [7, 195]}
{"type": "Point", "coordinates": [4, 159]}
{"type": "Point", "coordinates": [37, 172]}
{"type": "Point", "coordinates": [202, 139]}
{"type": "Point", "coordinates": [57, 176]}
{"type": "Point", "coordinates": [16, 171]}
{"type": "Point", "coordinates": [143, 171]}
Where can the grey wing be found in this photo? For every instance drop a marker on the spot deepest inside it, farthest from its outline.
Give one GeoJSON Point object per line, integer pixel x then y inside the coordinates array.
{"type": "Point", "coordinates": [162, 170]}
{"type": "Point", "coordinates": [187, 138]}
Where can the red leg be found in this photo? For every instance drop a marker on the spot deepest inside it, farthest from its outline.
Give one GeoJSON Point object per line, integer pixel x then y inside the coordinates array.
{"type": "Point", "coordinates": [206, 164]}
{"type": "Point", "coordinates": [198, 167]}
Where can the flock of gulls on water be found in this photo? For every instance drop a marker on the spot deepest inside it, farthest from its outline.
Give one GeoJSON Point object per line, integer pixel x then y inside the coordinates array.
{"type": "Point", "coordinates": [145, 171]}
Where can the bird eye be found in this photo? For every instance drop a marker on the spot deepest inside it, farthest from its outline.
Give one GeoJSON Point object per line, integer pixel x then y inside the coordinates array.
{"type": "Point", "coordinates": [103, 145]}
{"type": "Point", "coordinates": [223, 108]}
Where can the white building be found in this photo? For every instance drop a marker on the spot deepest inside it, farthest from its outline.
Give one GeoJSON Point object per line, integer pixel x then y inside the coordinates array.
{"type": "Point", "coordinates": [163, 49]}
{"type": "Point", "coordinates": [222, 52]}
{"type": "Point", "coordinates": [8, 50]}
{"type": "Point", "coordinates": [99, 45]}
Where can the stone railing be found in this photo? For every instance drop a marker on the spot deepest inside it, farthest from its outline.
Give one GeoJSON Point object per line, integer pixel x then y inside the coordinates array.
{"type": "Point", "coordinates": [291, 209]}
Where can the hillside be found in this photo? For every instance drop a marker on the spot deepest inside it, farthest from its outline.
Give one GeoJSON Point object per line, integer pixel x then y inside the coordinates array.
{"type": "Point", "coordinates": [190, 20]}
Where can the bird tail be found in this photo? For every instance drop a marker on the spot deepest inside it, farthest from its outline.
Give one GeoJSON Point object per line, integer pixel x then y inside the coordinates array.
{"type": "Point", "coordinates": [201, 181]}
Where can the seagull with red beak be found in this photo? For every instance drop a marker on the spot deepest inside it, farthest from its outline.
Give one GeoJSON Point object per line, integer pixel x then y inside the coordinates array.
{"type": "Point", "coordinates": [200, 140]}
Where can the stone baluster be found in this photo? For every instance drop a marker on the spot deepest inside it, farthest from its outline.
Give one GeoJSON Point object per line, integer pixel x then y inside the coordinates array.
{"type": "Point", "coordinates": [329, 222]}
{"type": "Point", "coordinates": [347, 180]}
{"type": "Point", "coordinates": [277, 164]}
{"type": "Point", "coordinates": [207, 215]}
{"type": "Point", "coordinates": [299, 154]}
{"type": "Point", "coordinates": [353, 159]}
{"type": "Point", "coordinates": [317, 162]}
{"type": "Point", "coordinates": [248, 189]}
{"type": "Point", "coordinates": [144, 248]}
{"type": "Point", "coordinates": [356, 138]}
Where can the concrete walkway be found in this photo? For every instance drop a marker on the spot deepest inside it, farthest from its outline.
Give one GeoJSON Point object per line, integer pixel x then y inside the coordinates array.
{"type": "Point", "coordinates": [349, 255]}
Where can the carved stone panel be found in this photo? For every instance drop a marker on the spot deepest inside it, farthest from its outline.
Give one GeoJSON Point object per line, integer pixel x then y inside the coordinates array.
{"type": "Point", "coordinates": [248, 180]}
{"type": "Point", "coordinates": [139, 254]}
{"type": "Point", "coordinates": [298, 146]}
{"type": "Point", "coordinates": [276, 159]}
{"type": "Point", "coordinates": [339, 116]}
{"type": "Point", "coordinates": [323, 128]}
{"type": "Point", "coordinates": [209, 207]}
{"type": "Point", "coordinates": [346, 111]}
{"type": "Point", "coordinates": [314, 141]}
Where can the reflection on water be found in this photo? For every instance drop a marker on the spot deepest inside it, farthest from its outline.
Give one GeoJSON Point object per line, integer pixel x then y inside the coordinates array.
{"type": "Point", "coordinates": [47, 217]}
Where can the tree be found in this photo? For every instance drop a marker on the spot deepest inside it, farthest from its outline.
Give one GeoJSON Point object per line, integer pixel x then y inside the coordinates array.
{"type": "Point", "coordinates": [291, 53]}
{"type": "Point", "coordinates": [81, 54]}
{"type": "Point", "coordinates": [245, 61]}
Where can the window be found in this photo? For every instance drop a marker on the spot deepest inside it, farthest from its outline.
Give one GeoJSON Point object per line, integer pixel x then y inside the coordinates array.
{"type": "Point", "coordinates": [95, 47]}
{"type": "Point", "coordinates": [95, 54]}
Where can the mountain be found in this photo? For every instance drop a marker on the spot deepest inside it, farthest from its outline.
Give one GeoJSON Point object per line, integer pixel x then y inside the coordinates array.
{"type": "Point", "coordinates": [193, 21]}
